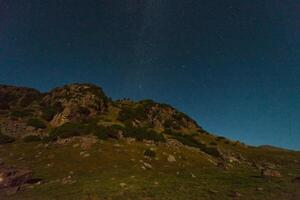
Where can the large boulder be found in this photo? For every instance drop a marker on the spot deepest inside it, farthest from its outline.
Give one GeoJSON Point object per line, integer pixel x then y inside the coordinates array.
{"type": "Point", "coordinates": [12, 177]}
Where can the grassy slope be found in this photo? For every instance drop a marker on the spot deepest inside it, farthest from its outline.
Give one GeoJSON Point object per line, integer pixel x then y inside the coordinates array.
{"type": "Point", "coordinates": [100, 175]}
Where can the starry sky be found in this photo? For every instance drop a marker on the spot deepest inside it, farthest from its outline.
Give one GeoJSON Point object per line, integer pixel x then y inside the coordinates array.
{"type": "Point", "coordinates": [232, 65]}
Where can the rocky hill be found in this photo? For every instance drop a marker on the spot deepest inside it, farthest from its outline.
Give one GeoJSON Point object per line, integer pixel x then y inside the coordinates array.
{"type": "Point", "coordinates": [82, 102]}
{"type": "Point", "coordinates": [131, 149]}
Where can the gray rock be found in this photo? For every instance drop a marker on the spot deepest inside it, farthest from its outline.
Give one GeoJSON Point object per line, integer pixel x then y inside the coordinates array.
{"type": "Point", "coordinates": [171, 158]}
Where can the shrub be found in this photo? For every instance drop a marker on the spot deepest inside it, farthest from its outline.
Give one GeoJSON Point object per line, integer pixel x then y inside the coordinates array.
{"type": "Point", "coordinates": [129, 113]}
{"type": "Point", "coordinates": [32, 138]}
{"type": "Point", "coordinates": [34, 122]}
{"type": "Point", "coordinates": [4, 139]}
{"type": "Point", "coordinates": [214, 151]}
{"type": "Point", "coordinates": [69, 129]}
{"type": "Point", "coordinates": [144, 134]}
{"type": "Point", "coordinates": [50, 111]}
{"type": "Point", "coordinates": [84, 110]}
{"type": "Point", "coordinates": [213, 143]}
{"type": "Point", "coordinates": [190, 141]}
{"type": "Point", "coordinates": [150, 153]}
{"type": "Point", "coordinates": [220, 138]}
{"type": "Point", "coordinates": [184, 139]}
{"type": "Point", "coordinates": [49, 138]}
{"type": "Point", "coordinates": [101, 134]}
{"type": "Point", "coordinates": [20, 113]}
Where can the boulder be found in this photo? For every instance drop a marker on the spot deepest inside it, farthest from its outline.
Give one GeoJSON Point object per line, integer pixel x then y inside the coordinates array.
{"type": "Point", "coordinates": [270, 173]}
{"type": "Point", "coordinates": [11, 177]}
{"type": "Point", "coordinates": [171, 158]}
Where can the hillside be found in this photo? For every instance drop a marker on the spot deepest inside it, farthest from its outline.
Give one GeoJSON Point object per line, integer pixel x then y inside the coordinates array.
{"type": "Point", "coordinates": [74, 142]}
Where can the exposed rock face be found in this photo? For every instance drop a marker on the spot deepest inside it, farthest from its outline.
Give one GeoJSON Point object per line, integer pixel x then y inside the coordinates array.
{"type": "Point", "coordinates": [77, 101]}
{"type": "Point", "coordinates": [162, 116]}
{"type": "Point", "coordinates": [13, 128]}
{"type": "Point", "coordinates": [148, 113]}
{"type": "Point", "coordinates": [11, 96]}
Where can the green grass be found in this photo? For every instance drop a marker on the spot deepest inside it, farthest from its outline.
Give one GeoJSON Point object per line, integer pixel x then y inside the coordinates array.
{"type": "Point", "coordinates": [99, 176]}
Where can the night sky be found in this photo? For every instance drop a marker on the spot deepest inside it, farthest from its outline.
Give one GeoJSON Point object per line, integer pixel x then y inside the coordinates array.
{"type": "Point", "coordinates": [234, 66]}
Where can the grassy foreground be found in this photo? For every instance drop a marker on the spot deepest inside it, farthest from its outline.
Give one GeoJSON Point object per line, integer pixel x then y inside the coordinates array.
{"type": "Point", "coordinates": [118, 170]}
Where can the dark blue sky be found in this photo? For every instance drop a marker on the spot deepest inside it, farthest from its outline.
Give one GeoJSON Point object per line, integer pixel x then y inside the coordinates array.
{"type": "Point", "coordinates": [234, 66]}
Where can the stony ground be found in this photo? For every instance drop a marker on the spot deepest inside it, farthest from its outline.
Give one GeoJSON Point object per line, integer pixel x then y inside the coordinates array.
{"type": "Point", "coordinates": [119, 170]}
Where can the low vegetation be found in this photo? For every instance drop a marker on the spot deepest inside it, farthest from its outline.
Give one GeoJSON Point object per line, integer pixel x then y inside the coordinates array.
{"type": "Point", "coordinates": [32, 138]}
{"type": "Point", "coordinates": [141, 134]}
{"type": "Point", "coordinates": [50, 111]}
{"type": "Point", "coordinates": [4, 139]}
{"type": "Point", "coordinates": [150, 153]}
{"type": "Point", "coordinates": [20, 113]}
{"type": "Point", "coordinates": [36, 123]}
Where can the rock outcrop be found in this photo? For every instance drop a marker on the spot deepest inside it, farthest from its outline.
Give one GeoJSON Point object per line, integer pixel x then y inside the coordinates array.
{"type": "Point", "coordinates": [79, 103]}
{"type": "Point", "coordinates": [148, 113]}
{"type": "Point", "coordinates": [12, 97]}
{"type": "Point", "coordinates": [76, 102]}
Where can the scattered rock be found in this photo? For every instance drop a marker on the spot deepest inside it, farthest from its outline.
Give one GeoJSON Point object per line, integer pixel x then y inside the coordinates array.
{"type": "Point", "coordinates": [76, 145]}
{"type": "Point", "coordinates": [123, 185]}
{"type": "Point", "coordinates": [236, 195]}
{"type": "Point", "coordinates": [68, 180]}
{"type": "Point", "coordinates": [232, 159]}
{"type": "Point", "coordinates": [130, 140]}
{"type": "Point", "coordinates": [86, 155]}
{"type": "Point", "coordinates": [270, 173]}
{"type": "Point", "coordinates": [259, 189]}
{"type": "Point", "coordinates": [193, 175]}
{"type": "Point", "coordinates": [50, 165]}
{"type": "Point", "coordinates": [147, 165]}
{"type": "Point", "coordinates": [212, 191]}
{"type": "Point", "coordinates": [88, 142]}
{"type": "Point", "coordinates": [223, 165]}
{"type": "Point", "coordinates": [171, 158]}
{"type": "Point", "coordinates": [63, 141]}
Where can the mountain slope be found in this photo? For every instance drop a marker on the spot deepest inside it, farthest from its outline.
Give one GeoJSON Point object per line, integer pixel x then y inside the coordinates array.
{"type": "Point", "coordinates": [133, 149]}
